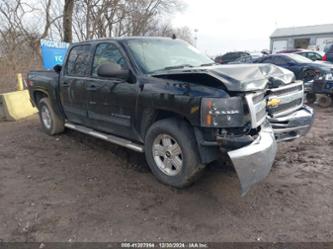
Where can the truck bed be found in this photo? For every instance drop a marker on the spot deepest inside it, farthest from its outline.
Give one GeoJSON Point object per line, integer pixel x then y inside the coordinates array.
{"type": "Point", "coordinates": [43, 76]}
{"type": "Point", "coordinates": [43, 83]}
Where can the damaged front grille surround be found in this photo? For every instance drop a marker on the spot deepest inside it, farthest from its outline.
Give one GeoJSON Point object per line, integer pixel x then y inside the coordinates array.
{"type": "Point", "coordinates": [290, 98]}
{"type": "Point", "coordinates": [257, 108]}
{"type": "Point", "coordinates": [285, 100]}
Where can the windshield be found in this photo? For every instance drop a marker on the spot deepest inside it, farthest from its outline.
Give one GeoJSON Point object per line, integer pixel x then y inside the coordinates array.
{"type": "Point", "coordinates": [161, 54]}
{"type": "Point", "coordinates": [328, 48]}
{"type": "Point", "coordinates": [299, 58]}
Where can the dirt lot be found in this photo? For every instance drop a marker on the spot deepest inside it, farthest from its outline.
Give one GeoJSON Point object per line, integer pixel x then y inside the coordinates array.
{"type": "Point", "coordinates": [75, 188]}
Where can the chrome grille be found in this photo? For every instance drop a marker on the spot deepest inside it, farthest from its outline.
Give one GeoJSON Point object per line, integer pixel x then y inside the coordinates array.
{"type": "Point", "coordinates": [290, 99]}
{"type": "Point", "coordinates": [257, 107]}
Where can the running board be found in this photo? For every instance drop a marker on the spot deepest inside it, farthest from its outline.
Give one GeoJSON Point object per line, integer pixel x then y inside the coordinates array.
{"type": "Point", "coordinates": [110, 138]}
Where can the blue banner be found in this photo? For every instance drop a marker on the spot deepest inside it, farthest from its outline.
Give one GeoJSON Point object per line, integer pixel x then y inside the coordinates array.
{"type": "Point", "coordinates": [53, 53]}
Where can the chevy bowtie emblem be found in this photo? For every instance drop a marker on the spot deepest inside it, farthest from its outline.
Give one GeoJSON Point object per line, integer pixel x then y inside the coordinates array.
{"type": "Point", "coordinates": [273, 102]}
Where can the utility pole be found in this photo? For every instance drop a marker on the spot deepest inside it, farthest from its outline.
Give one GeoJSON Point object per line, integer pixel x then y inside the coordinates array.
{"type": "Point", "coordinates": [196, 37]}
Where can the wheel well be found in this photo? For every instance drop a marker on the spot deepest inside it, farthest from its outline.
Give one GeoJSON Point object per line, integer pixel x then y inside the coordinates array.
{"type": "Point", "coordinates": [38, 95]}
{"type": "Point", "coordinates": [152, 116]}
{"type": "Point", "coordinates": [161, 114]}
{"type": "Point", "coordinates": [309, 70]}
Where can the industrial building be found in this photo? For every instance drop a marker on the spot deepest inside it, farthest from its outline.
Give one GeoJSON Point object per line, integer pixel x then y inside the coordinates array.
{"type": "Point", "coordinates": [314, 37]}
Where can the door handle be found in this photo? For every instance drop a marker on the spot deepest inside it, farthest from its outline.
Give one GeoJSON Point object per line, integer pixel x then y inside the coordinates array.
{"type": "Point", "coordinates": [65, 84]}
{"type": "Point", "coordinates": [92, 88]}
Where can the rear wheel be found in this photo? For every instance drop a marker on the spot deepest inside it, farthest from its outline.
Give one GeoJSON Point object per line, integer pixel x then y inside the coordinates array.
{"type": "Point", "coordinates": [325, 101]}
{"type": "Point", "coordinates": [171, 153]}
{"type": "Point", "coordinates": [51, 122]}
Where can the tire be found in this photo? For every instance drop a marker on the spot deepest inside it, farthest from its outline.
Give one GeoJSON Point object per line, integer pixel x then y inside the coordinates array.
{"type": "Point", "coordinates": [181, 134]}
{"type": "Point", "coordinates": [325, 101]}
{"type": "Point", "coordinates": [51, 122]}
{"type": "Point", "coordinates": [309, 75]}
{"type": "Point", "coordinates": [311, 98]}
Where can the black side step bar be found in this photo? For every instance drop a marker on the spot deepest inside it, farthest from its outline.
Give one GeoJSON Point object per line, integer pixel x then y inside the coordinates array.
{"type": "Point", "coordinates": [110, 138]}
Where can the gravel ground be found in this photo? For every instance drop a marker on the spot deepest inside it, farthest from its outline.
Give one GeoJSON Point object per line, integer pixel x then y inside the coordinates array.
{"type": "Point", "coordinates": [76, 188]}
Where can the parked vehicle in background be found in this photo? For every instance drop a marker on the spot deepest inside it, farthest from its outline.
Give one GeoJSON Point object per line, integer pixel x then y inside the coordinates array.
{"type": "Point", "coordinates": [242, 60]}
{"type": "Point", "coordinates": [287, 51]}
{"type": "Point", "coordinates": [163, 98]}
{"type": "Point", "coordinates": [233, 57]}
{"type": "Point", "coordinates": [321, 91]}
{"type": "Point", "coordinates": [238, 57]}
{"type": "Point", "coordinates": [317, 76]}
{"type": "Point", "coordinates": [256, 55]}
{"type": "Point", "coordinates": [328, 53]}
{"type": "Point", "coordinates": [312, 55]}
{"type": "Point", "coordinates": [303, 68]}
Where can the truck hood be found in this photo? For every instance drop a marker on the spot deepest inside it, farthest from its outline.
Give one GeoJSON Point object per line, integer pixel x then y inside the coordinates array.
{"type": "Point", "coordinates": [240, 78]}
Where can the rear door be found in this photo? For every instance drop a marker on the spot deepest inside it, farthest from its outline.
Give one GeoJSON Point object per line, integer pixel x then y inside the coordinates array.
{"type": "Point", "coordinates": [73, 92]}
{"type": "Point", "coordinates": [111, 101]}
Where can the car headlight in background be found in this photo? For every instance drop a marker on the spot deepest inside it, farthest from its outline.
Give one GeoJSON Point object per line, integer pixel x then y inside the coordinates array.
{"type": "Point", "coordinates": [329, 76]}
{"type": "Point", "coordinates": [326, 76]}
{"type": "Point", "coordinates": [222, 112]}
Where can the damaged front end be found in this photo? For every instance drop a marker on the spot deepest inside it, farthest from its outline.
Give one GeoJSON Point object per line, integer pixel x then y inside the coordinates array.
{"type": "Point", "coordinates": [276, 113]}
{"type": "Point", "coordinates": [265, 107]}
{"type": "Point", "coordinates": [280, 115]}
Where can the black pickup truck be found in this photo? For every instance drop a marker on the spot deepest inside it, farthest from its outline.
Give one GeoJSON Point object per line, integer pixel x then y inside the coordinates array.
{"type": "Point", "coordinates": [162, 97]}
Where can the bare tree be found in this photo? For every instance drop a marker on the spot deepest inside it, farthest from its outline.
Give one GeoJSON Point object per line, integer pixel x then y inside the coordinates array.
{"type": "Point", "coordinates": [108, 18]}
{"type": "Point", "coordinates": [24, 23]}
{"type": "Point", "coordinates": [68, 20]}
{"type": "Point", "coordinates": [20, 34]}
{"type": "Point", "coordinates": [167, 30]}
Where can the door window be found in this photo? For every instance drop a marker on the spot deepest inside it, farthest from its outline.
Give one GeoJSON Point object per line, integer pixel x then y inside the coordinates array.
{"type": "Point", "coordinates": [108, 53]}
{"type": "Point", "coordinates": [268, 60]}
{"type": "Point", "coordinates": [279, 60]}
{"type": "Point", "coordinates": [78, 63]}
{"type": "Point", "coordinates": [317, 57]}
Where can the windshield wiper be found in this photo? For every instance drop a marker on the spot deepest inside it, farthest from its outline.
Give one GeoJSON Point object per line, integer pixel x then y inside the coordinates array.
{"type": "Point", "coordinates": [208, 64]}
{"type": "Point", "coordinates": [173, 67]}
{"type": "Point", "coordinates": [177, 67]}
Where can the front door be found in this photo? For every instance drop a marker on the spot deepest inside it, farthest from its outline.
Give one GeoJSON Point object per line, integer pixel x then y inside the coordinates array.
{"type": "Point", "coordinates": [111, 101]}
{"type": "Point", "coordinates": [73, 92]}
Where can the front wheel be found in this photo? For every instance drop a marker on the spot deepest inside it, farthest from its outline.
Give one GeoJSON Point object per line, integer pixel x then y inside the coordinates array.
{"type": "Point", "coordinates": [172, 154]}
{"type": "Point", "coordinates": [309, 75]}
{"type": "Point", "coordinates": [310, 98]}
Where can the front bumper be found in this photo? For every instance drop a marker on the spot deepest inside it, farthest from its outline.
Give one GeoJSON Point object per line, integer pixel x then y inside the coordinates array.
{"type": "Point", "coordinates": [254, 161]}
{"type": "Point", "coordinates": [293, 126]}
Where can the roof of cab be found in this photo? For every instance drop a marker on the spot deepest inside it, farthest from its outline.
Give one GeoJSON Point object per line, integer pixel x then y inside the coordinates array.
{"type": "Point", "coordinates": [125, 38]}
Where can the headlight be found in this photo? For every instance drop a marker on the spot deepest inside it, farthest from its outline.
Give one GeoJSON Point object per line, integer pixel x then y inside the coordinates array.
{"type": "Point", "coordinates": [222, 113]}
{"type": "Point", "coordinates": [329, 76]}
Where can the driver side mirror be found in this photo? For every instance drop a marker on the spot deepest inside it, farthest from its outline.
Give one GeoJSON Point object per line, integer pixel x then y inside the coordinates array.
{"type": "Point", "coordinates": [57, 68]}
{"type": "Point", "coordinates": [112, 70]}
{"type": "Point", "coordinates": [291, 64]}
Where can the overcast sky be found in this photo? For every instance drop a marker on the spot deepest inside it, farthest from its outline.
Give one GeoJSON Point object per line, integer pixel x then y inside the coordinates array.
{"type": "Point", "coordinates": [247, 24]}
